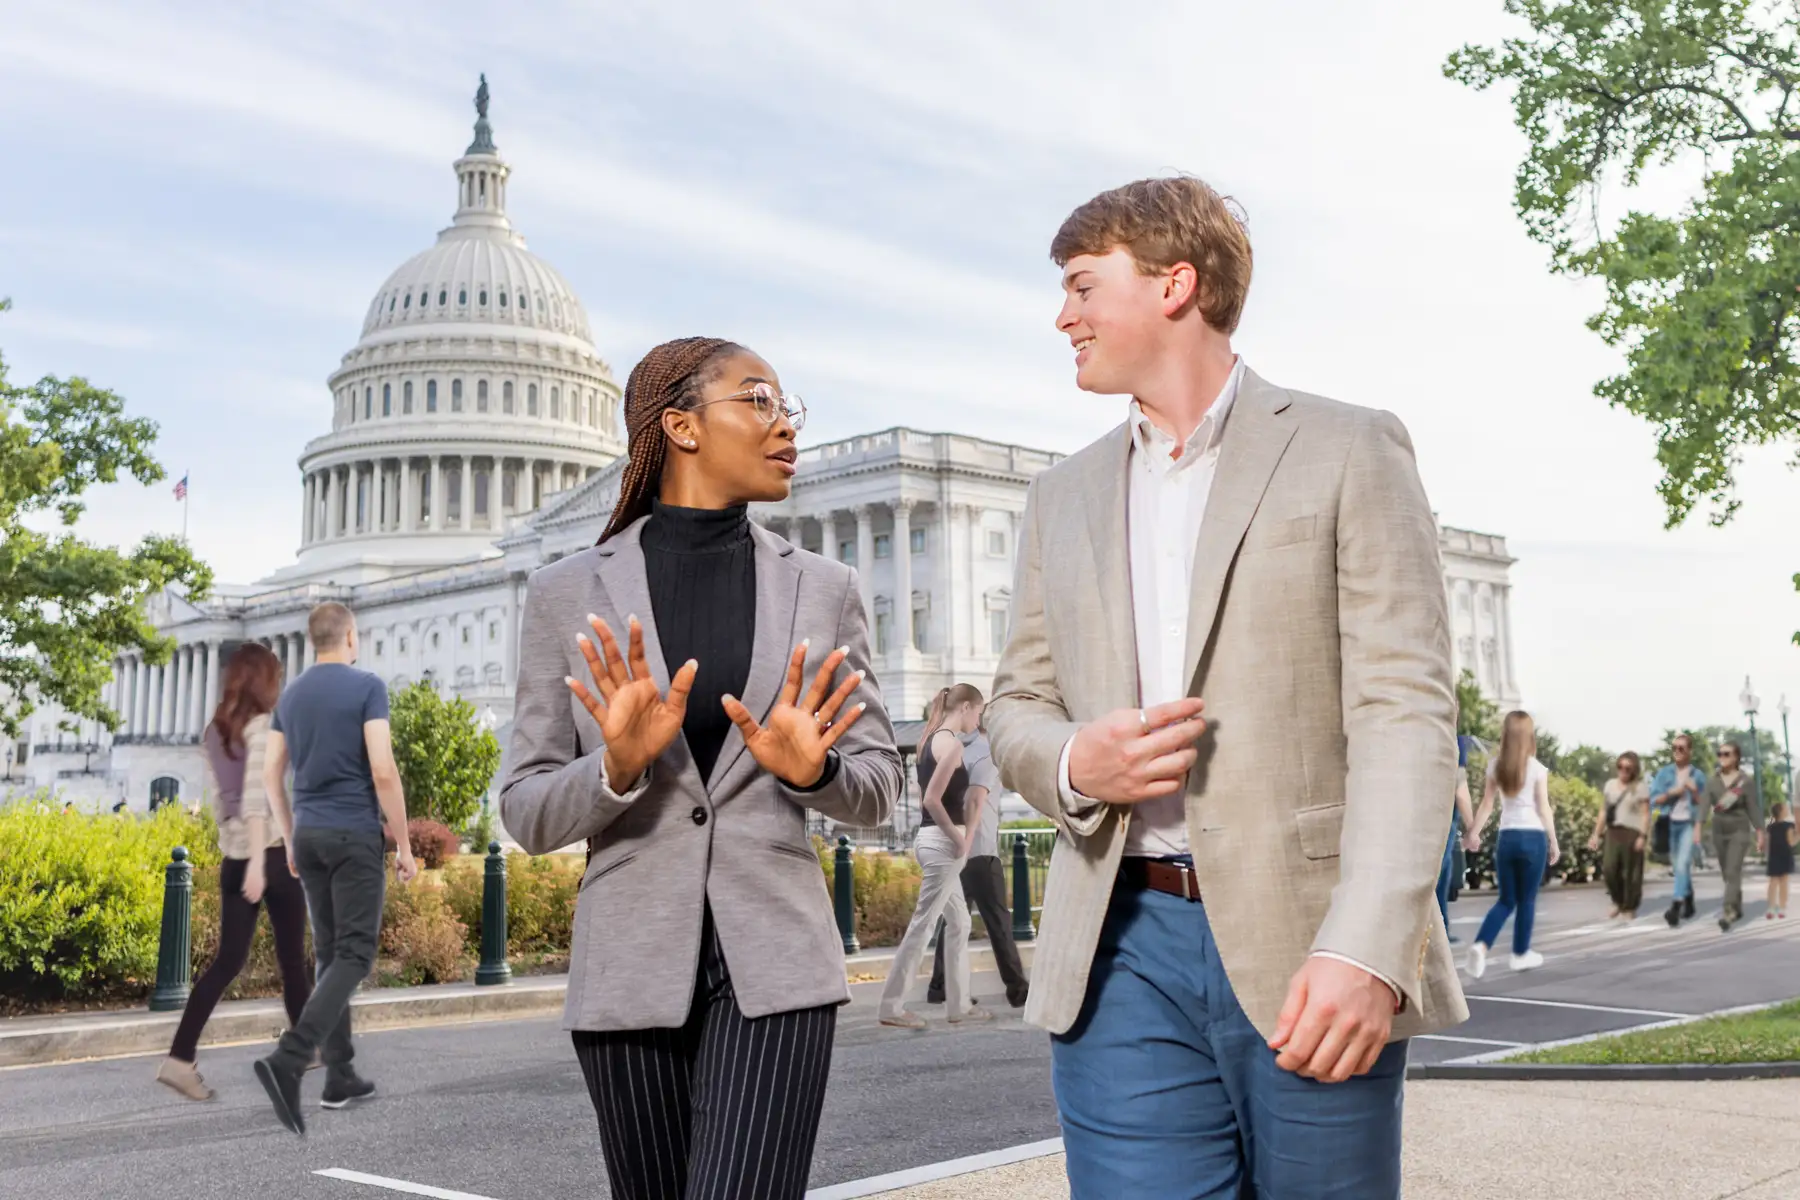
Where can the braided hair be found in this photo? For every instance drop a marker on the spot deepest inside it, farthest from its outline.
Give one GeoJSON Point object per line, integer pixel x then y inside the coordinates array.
{"type": "Point", "coordinates": [670, 376]}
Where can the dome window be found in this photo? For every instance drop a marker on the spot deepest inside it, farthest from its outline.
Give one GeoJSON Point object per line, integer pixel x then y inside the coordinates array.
{"type": "Point", "coordinates": [462, 296]}
{"type": "Point", "coordinates": [443, 297]}
{"type": "Point", "coordinates": [522, 305]}
{"type": "Point", "coordinates": [387, 399]}
{"type": "Point", "coordinates": [481, 395]}
{"type": "Point", "coordinates": [407, 303]}
{"type": "Point", "coordinates": [456, 395]}
{"type": "Point", "coordinates": [431, 395]}
{"type": "Point", "coordinates": [482, 297]}
{"type": "Point", "coordinates": [531, 399]}
{"type": "Point", "coordinates": [502, 299]}
{"type": "Point", "coordinates": [390, 304]}
{"type": "Point", "coordinates": [506, 397]}
{"type": "Point", "coordinates": [406, 397]}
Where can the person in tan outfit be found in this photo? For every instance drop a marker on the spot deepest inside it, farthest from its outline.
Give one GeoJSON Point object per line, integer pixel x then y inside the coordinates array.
{"type": "Point", "coordinates": [1228, 681]}
{"type": "Point", "coordinates": [1623, 824]}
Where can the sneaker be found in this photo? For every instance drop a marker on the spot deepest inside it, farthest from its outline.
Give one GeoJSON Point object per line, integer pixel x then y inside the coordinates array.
{"type": "Point", "coordinates": [1478, 960]}
{"type": "Point", "coordinates": [284, 1093]}
{"type": "Point", "coordinates": [1769, 916]}
{"type": "Point", "coordinates": [905, 1020]}
{"type": "Point", "coordinates": [342, 1089]}
{"type": "Point", "coordinates": [184, 1078]}
{"type": "Point", "coordinates": [975, 1013]}
{"type": "Point", "coordinates": [1531, 960]}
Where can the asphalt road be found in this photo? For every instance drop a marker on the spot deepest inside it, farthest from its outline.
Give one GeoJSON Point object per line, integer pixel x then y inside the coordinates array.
{"type": "Point", "coordinates": [497, 1110]}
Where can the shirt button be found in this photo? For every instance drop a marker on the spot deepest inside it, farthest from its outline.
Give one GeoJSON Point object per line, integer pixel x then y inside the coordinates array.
{"type": "Point", "coordinates": [699, 815]}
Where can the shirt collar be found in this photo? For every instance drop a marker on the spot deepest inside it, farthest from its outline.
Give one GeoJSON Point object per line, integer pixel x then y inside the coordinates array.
{"type": "Point", "coordinates": [1151, 440]}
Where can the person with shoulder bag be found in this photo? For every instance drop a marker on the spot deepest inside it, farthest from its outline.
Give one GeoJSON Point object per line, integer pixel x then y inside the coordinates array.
{"type": "Point", "coordinates": [1624, 827]}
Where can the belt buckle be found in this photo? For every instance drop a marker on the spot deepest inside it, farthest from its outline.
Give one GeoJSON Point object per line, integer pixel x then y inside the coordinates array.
{"type": "Point", "coordinates": [1182, 869]}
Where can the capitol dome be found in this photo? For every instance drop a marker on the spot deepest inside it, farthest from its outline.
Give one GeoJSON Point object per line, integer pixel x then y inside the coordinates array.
{"type": "Point", "coordinates": [472, 395]}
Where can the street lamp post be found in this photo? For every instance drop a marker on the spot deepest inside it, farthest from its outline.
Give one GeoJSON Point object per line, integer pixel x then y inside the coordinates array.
{"type": "Point", "coordinates": [1787, 750]}
{"type": "Point", "coordinates": [1747, 698]}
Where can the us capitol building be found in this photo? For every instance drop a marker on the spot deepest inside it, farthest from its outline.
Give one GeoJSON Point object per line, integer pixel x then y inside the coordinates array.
{"type": "Point", "coordinates": [476, 434]}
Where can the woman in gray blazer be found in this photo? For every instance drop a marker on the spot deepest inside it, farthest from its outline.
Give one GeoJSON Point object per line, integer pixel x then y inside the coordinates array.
{"type": "Point", "coordinates": [706, 968]}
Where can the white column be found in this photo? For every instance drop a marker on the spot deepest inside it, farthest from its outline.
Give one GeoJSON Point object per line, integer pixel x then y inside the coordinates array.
{"type": "Point", "coordinates": [467, 500]}
{"type": "Point", "coordinates": [902, 550]}
{"type": "Point", "coordinates": [306, 510]}
{"type": "Point", "coordinates": [493, 493]}
{"type": "Point", "coordinates": [828, 545]}
{"type": "Point", "coordinates": [121, 698]}
{"type": "Point", "coordinates": [165, 701]}
{"type": "Point", "coordinates": [211, 701]}
{"type": "Point", "coordinates": [865, 561]}
{"type": "Point", "coordinates": [293, 649]}
{"type": "Point", "coordinates": [140, 692]}
{"type": "Point", "coordinates": [183, 688]}
{"type": "Point", "coordinates": [437, 493]}
{"type": "Point", "coordinates": [509, 667]}
{"type": "Point", "coordinates": [408, 506]}
{"type": "Point", "coordinates": [944, 587]}
{"type": "Point", "coordinates": [330, 530]}
{"type": "Point", "coordinates": [972, 531]}
{"type": "Point", "coordinates": [1503, 630]}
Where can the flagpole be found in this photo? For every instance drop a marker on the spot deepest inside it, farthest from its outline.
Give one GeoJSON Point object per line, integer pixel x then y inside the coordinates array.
{"type": "Point", "coordinates": [185, 493]}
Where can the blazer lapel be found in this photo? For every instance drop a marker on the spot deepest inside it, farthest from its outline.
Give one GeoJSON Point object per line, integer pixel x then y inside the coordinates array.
{"type": "Point", "coordinates": [777, 600]}
{"type": "Point", "coordinates": [1108, 539]}
{"type": "Point", "coordinates": [1257, 434]}
{"type": "Point", "coordinates": [627, 585]}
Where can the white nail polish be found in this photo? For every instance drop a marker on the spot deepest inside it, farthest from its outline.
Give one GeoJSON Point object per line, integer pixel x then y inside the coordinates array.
{"type": "Point", "coordinates": [806, 643]}
{"type": "Point", "coordinates": [569, 679]}
{"type": "Point", "coordinates": [592, 618]}
{"type": "Point", "coordinates": [632, 619]}
{"type": "Point", "coordinates": [844, 650]}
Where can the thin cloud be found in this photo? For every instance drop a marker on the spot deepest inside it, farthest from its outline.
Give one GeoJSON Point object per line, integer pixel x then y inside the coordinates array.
{"type": "Point", "coordinates": [83, 331]}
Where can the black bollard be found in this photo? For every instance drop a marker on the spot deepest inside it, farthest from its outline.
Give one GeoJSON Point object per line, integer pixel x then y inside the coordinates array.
{"type": "Point", "coordinates": [494, 968]}
{"type": "Point", "coordinates": [172, 953]}
{"type": "Point", "coordinates": [843, 873]}
{"type": "Point", "coordinates": [1021, 900]}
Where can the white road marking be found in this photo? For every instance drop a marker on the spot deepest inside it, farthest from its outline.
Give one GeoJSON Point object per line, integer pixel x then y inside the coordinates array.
{"type": "Point", "coordinates": [1444, 1037]}
{"type": "Point", "coordinates": [398, 1185]}
{"type": "Point", "coordinates": [877, 1184]}
{"type": "Point", "coordinates": [1599, 1008]}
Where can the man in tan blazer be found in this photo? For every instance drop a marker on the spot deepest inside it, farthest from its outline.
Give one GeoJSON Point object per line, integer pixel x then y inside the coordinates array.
{"type": "Point", "coordinates": [1228, 681]}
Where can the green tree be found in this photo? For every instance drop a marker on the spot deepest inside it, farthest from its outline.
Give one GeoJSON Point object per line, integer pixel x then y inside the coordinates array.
{"type": "Point", "coordinates": [1591, 764]}
{"type": "Point", "coordinates": [1706, 303]}
{"type": "Point", "coordinates": [1476, 715]}
{"type": "Point", "coordinates": [446, 759]}
{"type": "Point", "coordinates": [68, 608]}
{"type": "Point", "coordinates": [1708, 738]}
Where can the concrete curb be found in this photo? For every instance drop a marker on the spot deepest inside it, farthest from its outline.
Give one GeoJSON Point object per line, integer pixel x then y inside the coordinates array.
{"type": "Point", "coordinates": [70, 1037]}
{"type": "Point", "coordinates": [1618, 1072]}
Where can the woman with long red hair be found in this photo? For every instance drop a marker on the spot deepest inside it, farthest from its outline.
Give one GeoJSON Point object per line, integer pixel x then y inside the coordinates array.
{"type": "Point", "coordinates": [254, 870]}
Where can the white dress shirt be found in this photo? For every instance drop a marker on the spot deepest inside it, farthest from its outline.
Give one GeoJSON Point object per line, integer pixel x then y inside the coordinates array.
{"type": "Point", "coordinates": [1165, 503]}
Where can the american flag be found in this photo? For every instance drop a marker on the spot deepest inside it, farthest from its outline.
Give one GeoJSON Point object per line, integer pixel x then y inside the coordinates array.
{"type": "Point", "coordinates": [181, 489]}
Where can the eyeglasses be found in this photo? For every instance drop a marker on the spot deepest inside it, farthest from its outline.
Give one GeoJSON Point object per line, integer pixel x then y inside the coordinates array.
{"type": "Point", "coordinates": [770, 404]}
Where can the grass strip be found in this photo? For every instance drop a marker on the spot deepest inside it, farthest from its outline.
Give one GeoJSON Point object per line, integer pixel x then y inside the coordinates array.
{"type": "Point", "coordinates": [1772, 1035]}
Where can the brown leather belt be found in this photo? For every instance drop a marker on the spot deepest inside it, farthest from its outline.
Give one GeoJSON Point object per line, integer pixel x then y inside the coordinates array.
{"type": "Point", "coordinates": [1177, 879]}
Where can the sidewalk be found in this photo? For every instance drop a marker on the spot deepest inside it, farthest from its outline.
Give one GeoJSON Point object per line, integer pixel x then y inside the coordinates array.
{"type": "Point", "coordinates": [67, 1037]}
{"type": "Point", "coordinates": [1500, 1141]}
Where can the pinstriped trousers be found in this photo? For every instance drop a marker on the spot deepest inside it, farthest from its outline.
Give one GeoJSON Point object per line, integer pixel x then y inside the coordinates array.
{"type": "Point", "coordinates": [723, 1108]}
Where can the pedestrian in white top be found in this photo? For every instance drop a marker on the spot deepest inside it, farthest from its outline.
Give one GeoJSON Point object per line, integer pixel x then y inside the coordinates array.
{"type": "Point", "coordinates": [1526, 843]}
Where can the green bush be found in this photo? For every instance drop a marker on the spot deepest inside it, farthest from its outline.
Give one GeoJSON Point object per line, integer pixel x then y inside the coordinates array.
{"type": "Point", "coordinates": [540, 900]}
{"type": "Point", "coordinates": [81, 894]}
{"type": "Point", "coordinates": [1574, 805]}
{"type": "Point", "coordinates": [446, 759]}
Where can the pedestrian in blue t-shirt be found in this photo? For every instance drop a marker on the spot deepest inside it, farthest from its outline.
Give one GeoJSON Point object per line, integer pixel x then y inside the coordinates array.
{"type": "Point", "coordinates": [1676, 791]}
{"type": "Point", "coordinates": [332, 724]}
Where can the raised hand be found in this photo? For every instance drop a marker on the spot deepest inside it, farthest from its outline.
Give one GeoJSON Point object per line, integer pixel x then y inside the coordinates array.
{"type": "Point", "coordinates": [637, 722]}
{"type": "Point", "coordinates": [792, 745]}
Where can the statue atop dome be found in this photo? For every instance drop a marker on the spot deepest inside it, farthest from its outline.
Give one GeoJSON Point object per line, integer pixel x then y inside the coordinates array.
{"type": "Point", "coordinates": [484, 136]}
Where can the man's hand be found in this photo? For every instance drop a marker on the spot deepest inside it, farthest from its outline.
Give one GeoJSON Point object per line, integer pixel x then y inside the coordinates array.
{"type": "Point", "coordinates": [1471, 841]}
{"type": "Point", "coordinates": [1136, 754]}
{"type": "Point", "coordinates": [1335, 1022]}
{"type": "Point", "coordinates": [405, 868]}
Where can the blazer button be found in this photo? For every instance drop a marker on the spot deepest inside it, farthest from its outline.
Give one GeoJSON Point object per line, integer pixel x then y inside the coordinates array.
{"type": "Point", "coordinates": [699, 815]}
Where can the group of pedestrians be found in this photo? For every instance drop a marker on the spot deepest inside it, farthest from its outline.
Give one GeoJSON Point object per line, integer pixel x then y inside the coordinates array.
{"type": "Point", "coordinates": [317, 850]}
{"type": "Point", "coordinates": [1680, 796]}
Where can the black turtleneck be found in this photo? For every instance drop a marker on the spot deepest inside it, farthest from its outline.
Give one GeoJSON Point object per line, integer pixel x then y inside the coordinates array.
{"type": "Point", "coordinates": [701, 566]}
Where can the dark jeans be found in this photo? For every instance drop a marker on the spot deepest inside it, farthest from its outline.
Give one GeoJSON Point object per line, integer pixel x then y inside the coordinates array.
{"type": "Point", "coordinates": [1446, 876]}
{"type": "Point", "coordinates": [984, 883]}
{"type": "Point", "coordinates": [237, 926]}
{"type": "Point", "coordinates": [342, 871]}
{"type": "Point", "coordinates": [1519, 858]}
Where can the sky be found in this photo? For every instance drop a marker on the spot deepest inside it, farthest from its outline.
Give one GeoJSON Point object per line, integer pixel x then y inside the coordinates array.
{"type": "Point", "coordinates": [201, 200]}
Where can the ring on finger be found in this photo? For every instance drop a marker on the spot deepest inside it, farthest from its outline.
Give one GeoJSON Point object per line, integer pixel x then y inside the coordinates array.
{"type": "Point", "coordinates": [1143, 721]}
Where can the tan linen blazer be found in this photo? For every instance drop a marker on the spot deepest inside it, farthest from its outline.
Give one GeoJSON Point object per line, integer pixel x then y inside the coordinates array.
{"type": "Point", "coordinates": [1319, 637]}
{"type": "Point", "coordinates": [663, 852]}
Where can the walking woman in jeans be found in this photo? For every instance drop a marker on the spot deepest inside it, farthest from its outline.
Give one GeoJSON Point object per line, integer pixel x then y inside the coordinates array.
{"type": "Point", "coordinates": [254, 870]}
{"type": "Point", "coordinates": [706, 969]}
{"type": "Point", "coordinates": [1624, 824]}
{"type": "Point", "coordinates": [941, 846]}
{"type": "Point", "coordinates": [1526, 843]}
{"type": "Point", "coordinates": [1679, 790]}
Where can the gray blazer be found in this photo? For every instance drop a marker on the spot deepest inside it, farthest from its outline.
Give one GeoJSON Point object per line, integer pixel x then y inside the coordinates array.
{"type": "Point", "coordinates": [667, 847]}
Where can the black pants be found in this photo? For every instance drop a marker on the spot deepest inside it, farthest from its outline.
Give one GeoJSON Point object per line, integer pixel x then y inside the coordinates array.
{"type": "Point", "coordinates": [342, 871]}
{"type": "Point", "coordinates": [984, 883]}
{"type": "Point", "coordinates": [237, 926]}
{"type": "Point", "coordinates": [723, 1108]}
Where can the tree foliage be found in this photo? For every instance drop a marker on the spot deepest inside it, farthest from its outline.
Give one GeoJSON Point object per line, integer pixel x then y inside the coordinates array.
{"type": "Point", "coordinates": [1703, 302]}
{"type": "Point", "coordinates": [446, 759]}
{"type": "Point", "coordinates": [1476, 715]}
{"type": "Point", "coordinates": [67, 608]}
